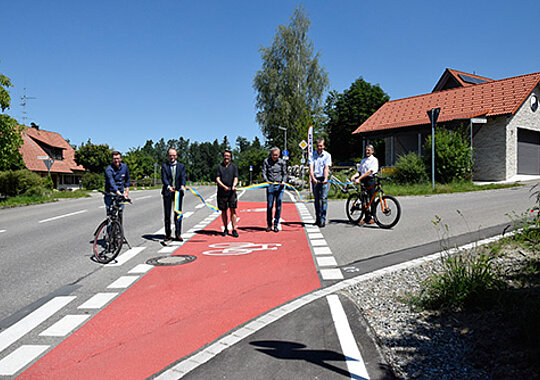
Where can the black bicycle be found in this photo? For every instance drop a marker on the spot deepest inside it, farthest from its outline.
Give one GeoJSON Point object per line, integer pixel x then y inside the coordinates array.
{"type": "Point", "coordinates": [109, 235]}
{"type": "Point", "coordinates": [385, 209]}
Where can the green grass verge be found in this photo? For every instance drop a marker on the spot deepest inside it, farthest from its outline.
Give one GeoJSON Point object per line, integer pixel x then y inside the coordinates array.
{"type": "Point", "coordinates": [426, 188]}
{"type": "Point", "coordinates": [25, 200]}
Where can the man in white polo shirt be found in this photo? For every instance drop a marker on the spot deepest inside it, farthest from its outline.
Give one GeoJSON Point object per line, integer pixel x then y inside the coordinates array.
{"type": "Point", "coordinates": [319, 170]}
{"type": "Point", "coordinates": [366, 172]}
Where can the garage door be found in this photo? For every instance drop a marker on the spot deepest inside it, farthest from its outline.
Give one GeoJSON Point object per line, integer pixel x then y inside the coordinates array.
{"type": "Point", "coordinates": [528, 152]}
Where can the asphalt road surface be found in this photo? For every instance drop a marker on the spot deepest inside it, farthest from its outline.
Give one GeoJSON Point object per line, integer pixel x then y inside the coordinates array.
{"type": "Point", "coordinates": [46, 256]}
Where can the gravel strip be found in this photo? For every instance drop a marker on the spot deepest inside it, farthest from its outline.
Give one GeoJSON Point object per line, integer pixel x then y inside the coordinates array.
{"type": "Point", "coordinates": [419, 344]}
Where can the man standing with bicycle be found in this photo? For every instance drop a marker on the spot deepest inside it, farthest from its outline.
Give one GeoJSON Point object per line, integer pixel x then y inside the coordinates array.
{"type": "Point", "coordinates": [319, 169]}
{"type": "Point", "coordinates": [274, 170]}
{"type": "Point", "coordinates": [173, 177]}
{"type": "Point", "coordinates": [366, 175]}
{"type": "Point", "coordinates": [116, 181]}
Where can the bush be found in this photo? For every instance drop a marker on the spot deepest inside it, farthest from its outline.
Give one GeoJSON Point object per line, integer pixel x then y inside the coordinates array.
{"type": "Point", "coordinates": [13, 183]}
{"type": "Point", "coordinates": [465, 280]}
{"type": "Point", "coordinates": [93, 181]}
{"type": "Point", "coordinates": [410, 168]}
{"type": "Point", "coordinates": [452, 156]}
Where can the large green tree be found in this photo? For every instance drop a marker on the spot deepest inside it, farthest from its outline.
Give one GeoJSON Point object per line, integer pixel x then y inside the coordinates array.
{"type": "Point", "coordinates": [346, 112]}
{"type": "Point", "coordinates": [290, 85]}
{"type": "Point", "coordinates": [10, 132]}
{"type": "Point", "coordinates": [94, 157]}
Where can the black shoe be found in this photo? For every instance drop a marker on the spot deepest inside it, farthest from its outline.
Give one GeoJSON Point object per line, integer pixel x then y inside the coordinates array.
{"type": "Point", "coordinates": [276, 229]}
{"type": "Point", "coordinates": [268, 229]}
{"type": "Point", "coordinates": [224, 233]}
{"type": "Point", "coordinates": [168, 238]}
{"type": "Point", "coordinates": [234, 233]}
{"type": "Point", "coordinates": [179, 238]}
{"type": "Point", "coordinates": [321, 225]}
{"type": "Point", "coordinates": [317, 223]}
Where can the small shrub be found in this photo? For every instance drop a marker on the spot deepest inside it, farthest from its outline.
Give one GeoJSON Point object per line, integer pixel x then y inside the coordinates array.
{"type": "Point", "coordinates": [465, 280]}
{"type": "Point", "coordinates": [452, 156]}
{"type": "Point", "coordinates": [13, 183]}
{"type": "Point", "coordinates": [410, 168]}
{"type": "Point", "coordinates": [93, 181]}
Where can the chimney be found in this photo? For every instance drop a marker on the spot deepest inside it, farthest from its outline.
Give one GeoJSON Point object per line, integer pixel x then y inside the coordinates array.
{"type": "Point", "coordinates": [35, 126]}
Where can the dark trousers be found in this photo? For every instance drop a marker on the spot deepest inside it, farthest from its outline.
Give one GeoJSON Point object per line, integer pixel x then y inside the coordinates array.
{"type": "Point", "coordinates": [168, 208]}
{"type": "Point", "coordinates": [369, 184]}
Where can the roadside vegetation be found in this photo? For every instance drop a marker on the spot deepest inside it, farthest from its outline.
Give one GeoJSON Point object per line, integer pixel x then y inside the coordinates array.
{"type": "Point", "coordinates": [23, 187]}
{"type": "Point", "coordinates": [492, 294]}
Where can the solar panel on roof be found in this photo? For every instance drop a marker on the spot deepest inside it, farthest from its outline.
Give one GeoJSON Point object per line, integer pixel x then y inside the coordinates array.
{"type": "Point", "coordinates": [471, 80]}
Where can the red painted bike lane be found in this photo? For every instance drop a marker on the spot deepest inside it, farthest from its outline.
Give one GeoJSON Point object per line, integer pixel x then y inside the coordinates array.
{"type": "Point", "coordinates": [173, 311]}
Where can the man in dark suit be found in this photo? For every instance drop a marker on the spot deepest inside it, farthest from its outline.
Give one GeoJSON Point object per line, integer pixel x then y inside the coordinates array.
{"type": "Point", "coordinates": [173, 176]}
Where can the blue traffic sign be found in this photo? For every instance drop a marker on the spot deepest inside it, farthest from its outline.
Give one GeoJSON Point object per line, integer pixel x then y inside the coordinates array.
{"type": "Point", "coordinates": [285, 152]}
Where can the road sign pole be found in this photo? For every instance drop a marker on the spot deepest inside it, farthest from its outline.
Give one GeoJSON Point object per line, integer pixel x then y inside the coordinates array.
{"type": "Point", "coordinates": [433, 116]}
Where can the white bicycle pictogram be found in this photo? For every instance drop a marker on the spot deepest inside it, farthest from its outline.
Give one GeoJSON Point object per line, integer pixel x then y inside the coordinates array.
{"type": "Point", "coordinates": [239, 248]}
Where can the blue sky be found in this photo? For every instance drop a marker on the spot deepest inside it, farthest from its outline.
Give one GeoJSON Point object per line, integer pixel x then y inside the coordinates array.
{"type": "Point", "coordinates": [123, 72]}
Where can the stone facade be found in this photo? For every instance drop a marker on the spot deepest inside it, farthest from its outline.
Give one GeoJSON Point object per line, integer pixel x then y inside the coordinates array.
{"type": "Point", "coordinates": [490, 149]}
{"type": "Point", "coordinates": [524, 118]}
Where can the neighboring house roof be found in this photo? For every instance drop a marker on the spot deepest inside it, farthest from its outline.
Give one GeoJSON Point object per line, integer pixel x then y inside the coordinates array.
{"type": "Point", "coordinates": [34, 155]}
{"type": "Point", "coordinates": [453, 78]}
{"type": "Point", "coordinates": [498, 97]}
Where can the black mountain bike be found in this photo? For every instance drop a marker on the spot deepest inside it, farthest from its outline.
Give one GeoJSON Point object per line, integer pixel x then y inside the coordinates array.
{"type": "Point", "coordinates": [109, 236]}
{"type": "Point", "coordinates": [385, 209]}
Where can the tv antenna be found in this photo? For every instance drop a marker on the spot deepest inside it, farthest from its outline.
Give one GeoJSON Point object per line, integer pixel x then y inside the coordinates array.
{"type": "Point", "coordinates": [24, 99]}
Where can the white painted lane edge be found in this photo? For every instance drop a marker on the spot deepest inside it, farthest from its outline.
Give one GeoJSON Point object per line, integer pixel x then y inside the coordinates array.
{"type": "Point", "coordinates": [97, 301]}
{"type": "Point", "coordinates": [65, 325]}
{"type": "Point", "coordinates": [2, 231]}
{"type": "Point", "coordinates": [326, 261]}
{"type": "Point", "coordinates": [331, 274]}
{"type": "Point", "coordinates": [123, 282]}
{"type": "Point", "coordinates": [168, 249]}
{"type": "Point", "coordinates": [353, 358]}
{"type": "Point", "coordinates": [62, 216]}
{"type": "Point", "coordinates": [23, 355]}
{"type": "Point", "coordinates": [124, 257]}
{"type": "Point", "coordinates": [32, 320]}
{"type": "Point", "coordinates": [141, 268]}
{"type": "Point", "coordinates": [322, 251]}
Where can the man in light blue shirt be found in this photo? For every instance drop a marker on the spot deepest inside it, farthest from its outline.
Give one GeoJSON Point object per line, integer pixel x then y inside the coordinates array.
{"type": "Point", "coordinates": [319, 171]}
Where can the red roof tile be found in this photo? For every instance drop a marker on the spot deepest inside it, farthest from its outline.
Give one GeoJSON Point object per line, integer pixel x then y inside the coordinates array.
{"type": "Point", "coordinates": [33, 154]}
{"type": "Point", "coordinates": [498, 97]}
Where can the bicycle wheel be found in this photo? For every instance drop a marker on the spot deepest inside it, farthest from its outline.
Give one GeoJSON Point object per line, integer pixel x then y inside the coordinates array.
{"type": "Point", "coordinates": [387, 212]}
{"type": "Point", "coordinates": [108, 241]}
{"type": "Point", "coordinates": [354, 209]}
{"type": "Point", "coordinates": [333, 191]}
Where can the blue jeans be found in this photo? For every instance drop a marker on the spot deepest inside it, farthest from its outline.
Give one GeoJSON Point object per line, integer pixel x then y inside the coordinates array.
{"type": "Point", "coordinates": [108, 202]}
{"type": "Point", "coordinates": [320, 193]}
{"type": "Point", "coordinates": [274, 193]}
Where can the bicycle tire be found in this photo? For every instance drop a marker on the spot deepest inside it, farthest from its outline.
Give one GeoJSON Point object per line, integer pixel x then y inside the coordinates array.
{"type": "Point", "coordinates": [354, 209]}
{"type": "Point", "coordinates": [108, 241]}
{"type": "Point", "coordinates": [387, 216]}
{"type": "Point", "coordinates": [333, 191]}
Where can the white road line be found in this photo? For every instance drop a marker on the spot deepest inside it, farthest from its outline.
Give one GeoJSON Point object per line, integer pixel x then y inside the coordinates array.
{"type": "Point", "coordinates": [187, 214]}
{"type": "Point", "coordinates": [2, 231]}
{"type": "Point", "coordinates": [138, 199]}
{"type": "Point", "coordinates": [141, 268]}
{"type": "Point", "coordinates": [318, 242]}
{"type": "Point", "coordinates": [123, 258]}
{"type": "Point", "coordinates": [331, 274]}
{"type": "Point", "coordinates": [123, 282]}
{"type": "Point", "coordinates": [200, 206]}
{"type": "Point", "coordinates": [98, 301]}
{"type": "Point", "coordinates": [32, 320]}
{"type": "Point", "coordinates": [168, 249]}
{"type": "Point", "coordinates": [326, 261]}
{"type": "Point", "coordinates": [101, 207]}
{"type": "Point", "coordinates": [316, 235]}
{"type": "Point", "coordinates": [62, 216]}
{"type": "Point", "coordinates": [322, 251]}
{"type": "Point", "coordinates": [161, 231]}
{"type": "Point", "coordinates": [23, 355]}
{"type": "Point", "coordinates": [355, 363]}
{"type": "Point", "coordinates": [65, 325]}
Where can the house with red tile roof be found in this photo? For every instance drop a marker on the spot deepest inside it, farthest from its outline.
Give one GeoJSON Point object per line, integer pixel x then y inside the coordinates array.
{"type": "Point", "coordinates": [41, 148]}
{"type": "Point", "coordinates": [502, 116]}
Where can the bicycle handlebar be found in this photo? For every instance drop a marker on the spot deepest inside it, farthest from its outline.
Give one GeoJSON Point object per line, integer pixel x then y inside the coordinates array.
{"type": "Point", "coordinates": [114, 195]}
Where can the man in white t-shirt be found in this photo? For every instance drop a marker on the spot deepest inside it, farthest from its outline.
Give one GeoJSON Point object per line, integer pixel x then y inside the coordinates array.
{"type": "Point", "coordinates": [366, 172]}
